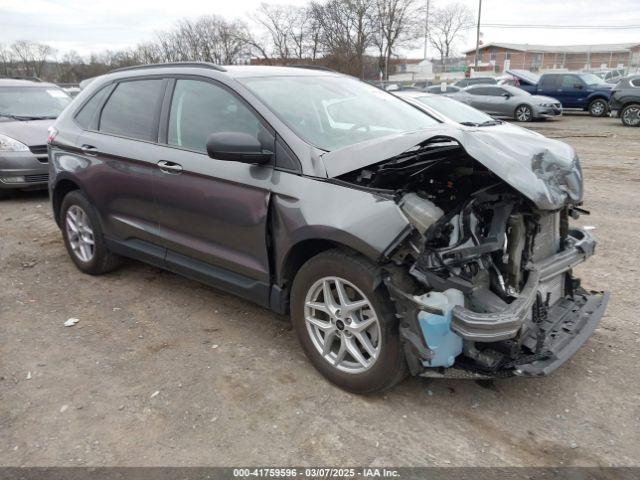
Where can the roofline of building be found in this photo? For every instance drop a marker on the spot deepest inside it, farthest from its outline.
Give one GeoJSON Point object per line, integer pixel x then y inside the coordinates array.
{"type": "Point", "coordinates": [525, 47]}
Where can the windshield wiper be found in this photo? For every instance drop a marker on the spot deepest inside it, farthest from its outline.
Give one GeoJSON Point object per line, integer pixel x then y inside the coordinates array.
{"type": "Point", "coordinates": [25, 118]}
{"type": "Point", "coordinates": [489, 123]}
{"type": "Point", "coordinates": [14, 117]}
{"type": "Point", "coordinates": [470, 124]}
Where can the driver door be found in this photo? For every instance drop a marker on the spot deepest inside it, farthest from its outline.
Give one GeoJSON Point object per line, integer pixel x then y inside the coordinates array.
{"type": "Point", "coordinates": [213, 213]}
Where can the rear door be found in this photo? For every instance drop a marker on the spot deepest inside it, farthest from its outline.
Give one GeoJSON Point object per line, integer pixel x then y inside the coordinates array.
{"type": "Point", "coordinates": [122, 145]}
{"type": "Point", "coordinates": [213, 213]}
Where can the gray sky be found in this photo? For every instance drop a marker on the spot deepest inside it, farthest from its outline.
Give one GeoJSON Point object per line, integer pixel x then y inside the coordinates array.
{"type": "Point", "coordinates": [93, 25]}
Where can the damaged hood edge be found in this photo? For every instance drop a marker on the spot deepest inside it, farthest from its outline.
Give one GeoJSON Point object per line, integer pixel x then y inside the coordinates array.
{"type": "Point", "coordinates": [544, 170]}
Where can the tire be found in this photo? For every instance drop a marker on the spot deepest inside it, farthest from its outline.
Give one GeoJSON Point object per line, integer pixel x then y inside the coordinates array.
{"type": "Point", "coordinates": [76, 206]}
{"type": "Point", "coordinates": [630, 115]}
{"type": "Point", "coordinates": [361, 282]}
{"type": "Point", "coordinates": [523, 113]}
{"type": "Point", "coordinates": [598, 107]}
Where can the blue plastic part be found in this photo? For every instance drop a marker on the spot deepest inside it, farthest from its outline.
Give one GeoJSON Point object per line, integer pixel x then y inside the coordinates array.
{"type": "Point", "coordinates": [436, 329]}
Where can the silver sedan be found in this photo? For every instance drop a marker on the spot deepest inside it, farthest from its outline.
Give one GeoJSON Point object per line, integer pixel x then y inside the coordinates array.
{"type": "Point", "coordinates": [509, 101]}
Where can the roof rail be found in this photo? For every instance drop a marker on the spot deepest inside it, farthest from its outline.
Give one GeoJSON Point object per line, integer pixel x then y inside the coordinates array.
{"type": "Point", "coordinates": [210, 65]}
{"type": "Point", "coordinates": [312, 67]}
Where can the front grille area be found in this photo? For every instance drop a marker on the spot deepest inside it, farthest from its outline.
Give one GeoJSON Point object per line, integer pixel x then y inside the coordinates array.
{"type": "Point", "coordinates": [43, 177]}
{"type": "Point", "coordinates": [38, 149]}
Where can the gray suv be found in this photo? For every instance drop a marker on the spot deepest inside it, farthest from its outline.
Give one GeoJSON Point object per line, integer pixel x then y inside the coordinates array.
{"type": "Point", "coordinates": [396, 243]}
{"type": "Point", "coordinates": [27, 110]}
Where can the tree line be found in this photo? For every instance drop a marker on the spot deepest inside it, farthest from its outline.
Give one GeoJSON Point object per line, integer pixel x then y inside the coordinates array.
{"type": "Point", "coordinates": [358, 37]}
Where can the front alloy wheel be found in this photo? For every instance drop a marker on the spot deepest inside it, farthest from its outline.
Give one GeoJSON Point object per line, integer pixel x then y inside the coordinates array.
{"type": "Point", "coordinates": [524, 113]}
{"type": "Point", "coordinates": [342, 324]}
{"type": "Point", "coordinates": [346, 323]}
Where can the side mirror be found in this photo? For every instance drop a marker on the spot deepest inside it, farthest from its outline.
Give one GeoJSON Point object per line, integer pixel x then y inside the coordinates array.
{"type": "Point", "coordinates": [237, 147]}
{"type": "Point", "coordinates": [506, 95]}
{"type": "Point", "coordinates": [577, 86]}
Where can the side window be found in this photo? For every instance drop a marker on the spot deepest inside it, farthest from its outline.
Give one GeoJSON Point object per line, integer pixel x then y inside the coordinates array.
{"type": "Point", "coordinates": [87, 115]}
{"type": "Point", "coordinates": [478, 91]}
{"type": "Point", "coordinates": [132, 109]}
{"type": "Point", "coordinates": [550, 82]}
{"type": "Point", "coordinates": [200, 108]}
{"type": "Point", "coordinates": [495, 91]}
{"type": "Point", "coordinates": [568, 82]}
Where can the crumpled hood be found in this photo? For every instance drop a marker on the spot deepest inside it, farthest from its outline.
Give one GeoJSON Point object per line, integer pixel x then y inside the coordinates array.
{"type": "Point", "coordinates": [29, 132]}
{"type": "Point", "coordinates": [545, 171]}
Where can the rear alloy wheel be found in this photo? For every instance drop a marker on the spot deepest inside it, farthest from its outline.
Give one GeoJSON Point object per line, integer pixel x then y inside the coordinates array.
{"type": "Point", "coordinates": [345, 322]}
{"type": "Point", "coordinates": [630, 115]}
{"type": "Point", "coordinates": [82, 236]}
{"type": "Point", "coordinates": [524, 113]}
{"type": "Point", "coordinates": [598, 108]}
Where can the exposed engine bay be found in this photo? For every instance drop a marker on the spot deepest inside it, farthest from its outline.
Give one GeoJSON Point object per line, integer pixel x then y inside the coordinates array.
{"type": "Point", "coordinates": [483, 283]}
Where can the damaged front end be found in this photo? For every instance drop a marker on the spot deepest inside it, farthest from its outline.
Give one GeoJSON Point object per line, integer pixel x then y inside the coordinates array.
{"type": "Point", "coordinates": [483, 284]}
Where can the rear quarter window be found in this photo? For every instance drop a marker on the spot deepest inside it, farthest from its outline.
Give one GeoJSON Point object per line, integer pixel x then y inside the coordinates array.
{"type": "Point", "coordinates": [87, 116]}
{"type": "Point", "coordinates": [133, 109]}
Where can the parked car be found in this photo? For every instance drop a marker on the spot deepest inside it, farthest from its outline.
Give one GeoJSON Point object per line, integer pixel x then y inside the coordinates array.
{"type": "Point", "coordinates": [625, 101]}
{"type": "Point", "coordinates": [396, 243]}
{"type": "Point", "coordinates": [508, 101]}
{"type": "Point", "coordinates": [465, 82]}
{"type": "Point", "coordinates": [437, 89]}
{"type": "Point", "coordinates": [422, 84]}
{"type": "Point", "coordinates": [610, 75]}
{"type": "Point", "coordinates": [585, 91]}
{"type": "Point", "coordinates": [27, 109]}
{"type": "Point", "coordinates": [453, 112]}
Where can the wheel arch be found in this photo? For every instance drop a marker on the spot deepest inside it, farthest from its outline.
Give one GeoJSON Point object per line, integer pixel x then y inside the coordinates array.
{"type": "Point", "coordinates": [61, 189]}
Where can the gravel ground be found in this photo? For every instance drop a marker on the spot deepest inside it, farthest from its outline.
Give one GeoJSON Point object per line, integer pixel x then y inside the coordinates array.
{"type": "Point", "coordinates": [163, 371]}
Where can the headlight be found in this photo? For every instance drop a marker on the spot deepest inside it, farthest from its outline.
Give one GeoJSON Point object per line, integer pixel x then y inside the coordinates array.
{"type": "Point", "coordinates": [8, 144]}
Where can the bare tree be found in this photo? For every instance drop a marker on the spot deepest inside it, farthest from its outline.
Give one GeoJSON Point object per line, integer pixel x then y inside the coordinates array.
{"type": "Point", "coordinates": [347, 28]}
{"type": "Point", "coordinates": [69, 68]}
{"type": "Point", "coordinates": [6, 60]}
{"type": "Point", "coordinates": [447, 26]}
{"type": "Point", "coordinates": [210, 38]}
{"type": "Point", "coordinates": [397, 24]}
{"type": "Point", "coordinates": [31, 56]}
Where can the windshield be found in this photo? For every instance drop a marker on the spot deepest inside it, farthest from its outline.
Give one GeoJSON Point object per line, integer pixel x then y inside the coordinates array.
{"type": "Point", "coordinates": [591, 79]}
{"type": "Point", "coordinates": [32, 102]}
{"type": "Point", "coordinates": [455, 110]}
{"type": "Point", "coordinates": [334, 112]}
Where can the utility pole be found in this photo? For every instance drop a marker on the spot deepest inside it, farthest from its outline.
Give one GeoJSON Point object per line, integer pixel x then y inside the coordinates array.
{"type": "Point", "coordinates": [426, 30]}
{"type": "Point", "coordinates": [478, 35]}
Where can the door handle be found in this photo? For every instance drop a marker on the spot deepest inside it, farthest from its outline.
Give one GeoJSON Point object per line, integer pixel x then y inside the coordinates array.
{"type": "Point", "coordinates": [89, 150]}
{"type": "Point", "coordinates": [169, 167]}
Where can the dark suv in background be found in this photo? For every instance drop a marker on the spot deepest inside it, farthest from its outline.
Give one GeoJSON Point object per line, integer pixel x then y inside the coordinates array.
{"type": "Point", "coordinates": [396, 243]}
{"type": "Point", "coordinates": [27, 110]}
{"type": "Point", "coordinates": [625, 101]}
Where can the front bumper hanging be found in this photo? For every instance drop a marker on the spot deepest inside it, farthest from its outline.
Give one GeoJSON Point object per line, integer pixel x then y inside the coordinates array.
{"type": "Point", "coordinates": [496, 326]}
